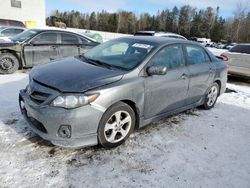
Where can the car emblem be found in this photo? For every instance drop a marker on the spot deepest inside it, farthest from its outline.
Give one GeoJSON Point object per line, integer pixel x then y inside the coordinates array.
{"type": "Point", "coordinates": [30, 90]}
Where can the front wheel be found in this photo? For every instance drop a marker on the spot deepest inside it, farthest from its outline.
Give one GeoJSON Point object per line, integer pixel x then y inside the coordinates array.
{"type": "Point", "coordinates": [8, 63]}
{"type": "Point", "coordinates": [116, 125]}
{"type": "Point", "coordinates": [211, 96]}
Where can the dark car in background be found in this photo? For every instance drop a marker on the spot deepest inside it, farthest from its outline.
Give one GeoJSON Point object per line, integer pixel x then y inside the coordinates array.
{"type": "Point", "coordinates": [40, 46]}
{"type": "Point", "coordinates": [238, 59]}
{"type": "Point", "coordinates": [123, 84]}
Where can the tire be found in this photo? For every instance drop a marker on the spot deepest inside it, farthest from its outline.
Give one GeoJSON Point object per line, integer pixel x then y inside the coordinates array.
{"type": "Point", "coordinates": [8, 63]}
{"type": "Point", "coordinates": [112, 133]}
{"type": "Point", "coordinates": [211, 96]}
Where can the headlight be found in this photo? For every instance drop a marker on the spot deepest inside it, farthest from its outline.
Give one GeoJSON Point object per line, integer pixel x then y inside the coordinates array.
{"type": "Point", "coordinates": [73, 101]}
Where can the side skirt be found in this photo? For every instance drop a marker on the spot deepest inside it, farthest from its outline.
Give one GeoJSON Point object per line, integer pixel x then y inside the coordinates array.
{"type": "Point", "coordinates": [144, 122]}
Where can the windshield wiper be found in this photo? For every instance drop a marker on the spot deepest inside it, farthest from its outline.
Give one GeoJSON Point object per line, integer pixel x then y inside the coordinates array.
{"type": "Point", "coordinates": [96, 62]}
{"type": "Point", "coordinates": [101, 63]}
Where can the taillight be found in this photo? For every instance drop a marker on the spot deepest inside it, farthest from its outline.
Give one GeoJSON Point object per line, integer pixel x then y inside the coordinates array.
{"type": "Point", "coordinates": [225, 58]}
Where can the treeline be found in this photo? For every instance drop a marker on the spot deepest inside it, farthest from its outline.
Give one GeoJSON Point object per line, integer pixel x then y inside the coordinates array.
{"type": "Point", "coordinates": [187, 21]}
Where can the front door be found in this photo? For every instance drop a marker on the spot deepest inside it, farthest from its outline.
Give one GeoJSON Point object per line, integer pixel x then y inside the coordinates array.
{"type": "Point", "coordinates": [41, 49]}
{"type": "Point", "coordinates": [164, 93]}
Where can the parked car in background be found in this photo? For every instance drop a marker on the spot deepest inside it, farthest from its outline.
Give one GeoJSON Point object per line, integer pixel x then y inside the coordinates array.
{"type": "Point", "coordinates": [7, 32]}
{"type": "Point", "coordinates": [39, 46]}
{"type": "Point", "coordinates": [159, 34]}
{"type": "Point", "coordinates": [229, 46]}
{"type": "Point", "coordinates": [238, 59]}
{"type": "Point", "coordinates": [11, 23]}
{"type": "Point", "coordinates": [123, 84]}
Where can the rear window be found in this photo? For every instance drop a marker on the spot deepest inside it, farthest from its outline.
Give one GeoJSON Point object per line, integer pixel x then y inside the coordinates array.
{"type": "Point", "coordinates": [12, 23]}
{"type": "Point", "coordinates": [241, 49]}
{"type": "Point", "coordinates": [12, 32]}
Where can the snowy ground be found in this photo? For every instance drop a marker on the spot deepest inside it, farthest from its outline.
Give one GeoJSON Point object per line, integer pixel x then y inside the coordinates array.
{"type": "Point", "coordinates": [196, 148]}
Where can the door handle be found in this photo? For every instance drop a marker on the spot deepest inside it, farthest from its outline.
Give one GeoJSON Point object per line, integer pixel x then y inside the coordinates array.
{"type": "Point", "coordinates": [53, 47]}
{"type": "Point", "coordinates": [211, 71]}
{"type": "Point", "coordinates": [184, 77]}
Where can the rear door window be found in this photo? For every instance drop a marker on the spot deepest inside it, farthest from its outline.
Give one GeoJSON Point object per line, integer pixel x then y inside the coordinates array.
{"type": "Point", "coordinates": [196, 55]}
{"type": "Point", "coordinates": [241, 49]}
{"type": "Point", "coordinates": [69, 39]}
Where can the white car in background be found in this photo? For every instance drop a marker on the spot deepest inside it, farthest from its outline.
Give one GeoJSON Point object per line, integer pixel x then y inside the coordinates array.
{"type": "Point", "coordinates": [7, 32]}
{"type": "Point", "coordinates": [238, 59]}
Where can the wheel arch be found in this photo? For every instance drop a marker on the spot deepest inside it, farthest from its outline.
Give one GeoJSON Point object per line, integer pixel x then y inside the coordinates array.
{"type": "Point", "coordinates": [136, 110]}
{"type": "Point", "coordinates": [134, 107]}
{"type": "Point", "coordinates": [219, 84]}
{"type": "Point", "coordinates": [13, 52]}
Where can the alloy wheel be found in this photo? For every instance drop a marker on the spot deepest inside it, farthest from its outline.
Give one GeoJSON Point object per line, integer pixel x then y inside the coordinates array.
{"type": "Point", "coordinates": [212, 96]}
{"type": "Point", "coordinates": [117, 126]}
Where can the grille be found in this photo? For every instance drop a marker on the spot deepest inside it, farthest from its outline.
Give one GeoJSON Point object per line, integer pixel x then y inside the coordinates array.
{"type": "Point", "coordinates": [39, 97]}
{"type": "Point", "coordinates": [38, 93]}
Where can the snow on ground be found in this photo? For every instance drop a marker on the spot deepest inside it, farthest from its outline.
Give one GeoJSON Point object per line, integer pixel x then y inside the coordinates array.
{"type": "Point", "coordinates": [196, 148]}
{"type": "Point", "coordinates": [216, 52]}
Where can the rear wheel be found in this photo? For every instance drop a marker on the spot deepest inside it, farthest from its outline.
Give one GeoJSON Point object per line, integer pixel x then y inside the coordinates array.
{"type": "Point", "coordinates": [116, 125]}
{"type": "Point", "coordinates": [211, 96]}
{"type": "Point", "coordinates": [8, 63]}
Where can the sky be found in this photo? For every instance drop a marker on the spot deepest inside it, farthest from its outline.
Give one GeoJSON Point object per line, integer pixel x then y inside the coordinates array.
{"type": "Point", "coordinates": [227, 7]}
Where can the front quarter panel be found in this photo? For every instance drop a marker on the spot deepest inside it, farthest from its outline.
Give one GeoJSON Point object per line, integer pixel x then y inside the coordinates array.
{"type": "Point", "coordinates": [129, 88]}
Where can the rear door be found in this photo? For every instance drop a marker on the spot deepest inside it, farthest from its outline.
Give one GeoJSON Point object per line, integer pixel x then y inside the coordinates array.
{"type": "Point", "coordinates": [201, 72]}
{"type": "Point", "coordinates": [42, 49]}
{"type": "Point", "coordinates": [168, 92]}
{"type": "Point", "coordinates": [85, 45]}
{"type": "Point", "coordinates": [69, 45]}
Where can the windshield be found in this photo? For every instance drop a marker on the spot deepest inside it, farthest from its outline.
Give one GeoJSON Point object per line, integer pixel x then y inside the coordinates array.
{"type": "Point", "coordinates": [125, 54]}
{"type": "Point", "coordinates": [2, 28]}
{"type": "Point", "coordinates": [24, 35]}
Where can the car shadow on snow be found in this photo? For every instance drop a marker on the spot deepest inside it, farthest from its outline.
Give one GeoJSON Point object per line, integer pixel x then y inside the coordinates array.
{"type": "Point", "coordinates": [239, 80]}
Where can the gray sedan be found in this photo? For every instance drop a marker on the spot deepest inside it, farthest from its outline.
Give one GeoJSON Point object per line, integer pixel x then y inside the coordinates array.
{"type": "Point", "coordinates": [102, 96]}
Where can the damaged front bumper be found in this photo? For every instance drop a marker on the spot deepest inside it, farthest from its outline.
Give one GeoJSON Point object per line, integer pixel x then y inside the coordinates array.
{"type": "Point", "coordinates": [72, 128]}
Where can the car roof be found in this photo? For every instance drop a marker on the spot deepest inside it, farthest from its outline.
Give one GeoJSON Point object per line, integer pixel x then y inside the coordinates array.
{"type": "Point", "coordinates": [159, 33]}
{"type": "Point", "coordinates": [40, 30]}
{"type": "Point", "coordinates": [242, 44]}
{"type": "Point", "coordinates": [159, 40]}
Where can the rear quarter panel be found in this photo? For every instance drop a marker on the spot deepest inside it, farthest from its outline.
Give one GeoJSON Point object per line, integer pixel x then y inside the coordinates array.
{"type": "Point", "coordinates": [221, 74]}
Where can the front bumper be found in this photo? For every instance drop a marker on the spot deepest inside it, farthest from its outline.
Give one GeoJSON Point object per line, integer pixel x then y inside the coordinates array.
{"type": "Point", "coordinates": [46, 121]}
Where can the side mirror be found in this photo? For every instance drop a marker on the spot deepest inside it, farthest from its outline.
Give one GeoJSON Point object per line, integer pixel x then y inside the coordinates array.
{"type": "Point", "coordinates": [157, 70]}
